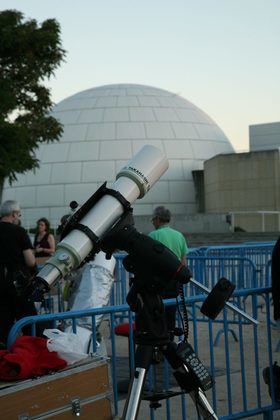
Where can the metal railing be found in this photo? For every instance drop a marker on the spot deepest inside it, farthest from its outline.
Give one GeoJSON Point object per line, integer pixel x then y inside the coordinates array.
{"type": "Point", "coordinates": [239, 391]}
{"type": "Point", "coordinates": [262, 214]}
{"type": "Point", "coordinates": [258, 253]}
{"type": "Point", "coordinates": [246, 265]}
{"type": "Point", "coordinates": [239, 270]}
{"type": "Point", "coordinates": [207, 269]}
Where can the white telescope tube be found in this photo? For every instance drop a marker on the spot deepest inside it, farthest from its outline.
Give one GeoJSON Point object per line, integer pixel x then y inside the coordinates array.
{"type": "Point", "coordinates": [133, 182]}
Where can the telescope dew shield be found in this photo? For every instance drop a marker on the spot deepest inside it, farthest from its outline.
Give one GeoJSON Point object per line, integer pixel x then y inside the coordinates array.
{"type": "Point", "coordinates": [148, 172]}
{"type": "Point", "coordinates": [132, 182]}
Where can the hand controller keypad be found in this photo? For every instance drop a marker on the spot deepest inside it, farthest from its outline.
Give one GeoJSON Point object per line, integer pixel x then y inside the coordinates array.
{"type": "Point", "coordinates": [194, 365]}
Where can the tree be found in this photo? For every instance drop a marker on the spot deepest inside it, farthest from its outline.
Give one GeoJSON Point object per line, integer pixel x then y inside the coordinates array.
{"type": "Point", "coordinates": [29, 54]}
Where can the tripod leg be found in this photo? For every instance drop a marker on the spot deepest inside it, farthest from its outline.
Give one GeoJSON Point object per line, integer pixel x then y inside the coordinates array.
{"type": "Point", "coordinates": [143, 358]}
{"type": "Point", "coordinates": [184, 380]}
{"type": "Point", "coordinates": [202, 404]}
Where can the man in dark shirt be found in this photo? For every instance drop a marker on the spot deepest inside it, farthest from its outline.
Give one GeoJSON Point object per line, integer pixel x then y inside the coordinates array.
{"type": "Point", "coordinates": [16, 263]}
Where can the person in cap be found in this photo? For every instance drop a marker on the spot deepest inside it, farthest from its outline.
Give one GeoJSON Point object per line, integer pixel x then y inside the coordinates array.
{"type": "Point", "coordinates": [171, 238]}
{"type": "Point", "coordinates": [176, 242]}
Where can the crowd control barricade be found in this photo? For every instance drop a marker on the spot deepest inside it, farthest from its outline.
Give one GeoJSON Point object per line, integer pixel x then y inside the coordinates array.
{"type": "Point", "coordinates": [259, 254]}
{"type": "Point", "coordinates": [239, 390]}
{"type": "Point", "coordinates": [209, 269]}
{"type": "Point", "coordinates": [241, 271]}
{"type": "Point", "coordinates": [231, 261]}
{"type": "Point", "coordinates": [244, 266]}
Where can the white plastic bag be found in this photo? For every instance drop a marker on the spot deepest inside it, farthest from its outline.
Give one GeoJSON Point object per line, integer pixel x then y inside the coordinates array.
{"type": "Point", "coordinates": [67, 345]}
{"type": "Point", "coordinates": [85, 336]}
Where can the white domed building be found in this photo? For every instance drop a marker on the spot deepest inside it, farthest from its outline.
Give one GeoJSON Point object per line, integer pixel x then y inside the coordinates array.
{"type": "Point", "coordinates": [103, 128]}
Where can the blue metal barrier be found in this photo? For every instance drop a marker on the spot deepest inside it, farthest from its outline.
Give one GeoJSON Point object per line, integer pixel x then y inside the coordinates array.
{"type": "Point", "coordinates": [206, 269]}
{"type": "Point", "coordinates": [245, 265]}
{"type": "Point", "coordinates": [259, 254]}
{"type": "Point", "coordinates": [239, 391]}
{"type": "Point", "coordinates": [239, 270]}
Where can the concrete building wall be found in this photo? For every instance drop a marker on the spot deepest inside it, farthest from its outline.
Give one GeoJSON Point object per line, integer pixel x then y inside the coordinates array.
{"type": "Point", "coordinates": [264, 136]}
{"type": "Point", "coordinates": [244, 182]}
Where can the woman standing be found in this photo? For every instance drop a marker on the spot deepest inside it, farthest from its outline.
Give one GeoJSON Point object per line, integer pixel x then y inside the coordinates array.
{"type": "Point", "coordinates": [44, 243]}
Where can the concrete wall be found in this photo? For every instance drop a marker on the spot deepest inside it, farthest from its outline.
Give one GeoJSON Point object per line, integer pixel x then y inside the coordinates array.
{"type": "Point", "coordinates": [264, 136]}
{"type": "Point", "coordinates": [244, 182]}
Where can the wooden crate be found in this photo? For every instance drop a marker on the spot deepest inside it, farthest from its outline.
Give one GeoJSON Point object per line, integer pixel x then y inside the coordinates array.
{"type": "Point", "coordinates": [82, 388]}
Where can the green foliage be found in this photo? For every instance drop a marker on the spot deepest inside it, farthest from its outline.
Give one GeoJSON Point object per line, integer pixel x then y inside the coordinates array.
{"type": "Point", "coordinates": [29, 54]}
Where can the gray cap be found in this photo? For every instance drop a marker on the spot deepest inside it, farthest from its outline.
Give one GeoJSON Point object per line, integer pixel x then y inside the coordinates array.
{"type": "Point", "coordinates": [162, 213]}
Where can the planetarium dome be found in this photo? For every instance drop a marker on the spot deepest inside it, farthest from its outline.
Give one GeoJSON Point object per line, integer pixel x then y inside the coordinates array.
{"type": "Point", "coordinates": [103, 128]}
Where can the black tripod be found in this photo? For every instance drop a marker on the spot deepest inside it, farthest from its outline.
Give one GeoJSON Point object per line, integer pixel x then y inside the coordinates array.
{"type": "Point", "coordinates": [152, 336]}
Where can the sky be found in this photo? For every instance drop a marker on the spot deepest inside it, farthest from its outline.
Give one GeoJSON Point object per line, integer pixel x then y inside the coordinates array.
{"type": "Point", "coordinates": [221, 55]}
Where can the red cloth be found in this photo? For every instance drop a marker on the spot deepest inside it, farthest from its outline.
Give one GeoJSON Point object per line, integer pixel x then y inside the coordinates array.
{"type": "Point", "coordinates": [123, 329]}
{"type": "Point", "coordinates": [29, 357]}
